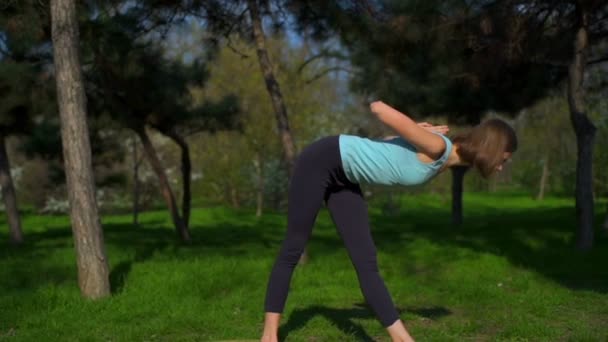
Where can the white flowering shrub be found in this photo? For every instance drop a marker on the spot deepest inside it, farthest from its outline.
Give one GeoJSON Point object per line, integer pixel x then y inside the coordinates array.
{"type": "Point", "coordinates": [55, 206]}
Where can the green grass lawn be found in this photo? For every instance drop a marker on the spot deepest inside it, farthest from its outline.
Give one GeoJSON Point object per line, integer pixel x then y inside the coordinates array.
{"type": "Point", "coordinates": [510, 273]}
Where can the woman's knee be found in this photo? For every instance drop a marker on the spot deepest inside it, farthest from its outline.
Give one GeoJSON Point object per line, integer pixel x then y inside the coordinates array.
{"type": "Point", "coordinates": [290, 255]}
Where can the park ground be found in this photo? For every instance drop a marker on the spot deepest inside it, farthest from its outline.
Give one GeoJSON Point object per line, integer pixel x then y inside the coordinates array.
{"type": "Point", "coordinates": [509, 273]}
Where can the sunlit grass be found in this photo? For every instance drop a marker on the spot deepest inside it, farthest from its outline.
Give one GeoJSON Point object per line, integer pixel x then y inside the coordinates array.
{"type": "Point", "coordinates": [510, 273]}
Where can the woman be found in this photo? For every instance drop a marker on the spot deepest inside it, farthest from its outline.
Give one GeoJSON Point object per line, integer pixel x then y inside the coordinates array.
{"type": "Point", "coordinates": [331, 169]}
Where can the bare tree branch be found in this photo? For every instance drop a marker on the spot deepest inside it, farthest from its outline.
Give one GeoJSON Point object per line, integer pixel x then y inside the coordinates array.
{"type": "Point", "coordinates": [325, 53]}
{"type": "Point", "coordinates": [327, 71]}
{"type": "Point", "coordinates": [597, 61]}
{"type": "Point", "coordinates": [235, 50]}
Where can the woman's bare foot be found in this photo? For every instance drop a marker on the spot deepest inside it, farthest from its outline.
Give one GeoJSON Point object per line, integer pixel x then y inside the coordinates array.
{"type": "Point", "coordinates": [271, 327]}
{"type": "Point", "coordinates": [269, 339]}
{"type": "Point", "coordinates": [399, 333]}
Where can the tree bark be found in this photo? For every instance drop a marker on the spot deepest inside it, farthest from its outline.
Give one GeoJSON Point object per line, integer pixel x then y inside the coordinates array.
{"type": "Point", "coordinates": [259, 170]}
{"type": "Point", "coordinates": [585, 134]}
{"type": "Point", "coordinates": [272, 85]}
{"type": "Point", "coordinates": [9, 197]}
{"type": "Point", "coordinates": [234, 196]}
{"type": "Point", "coordinates": [93, 275]}
{"type": "Point", "coordinates": [274, 90]}
{"type": "Point", "coordinates": [180, 227]}
{"type": "Point", "coordinates": [543, 179]}
{"type": "Point", "coordinates": [136, 185]}
{"type": "Point", "coordinates": [458, 173]}
{"type": "Point", "coordinates": [186, 168]}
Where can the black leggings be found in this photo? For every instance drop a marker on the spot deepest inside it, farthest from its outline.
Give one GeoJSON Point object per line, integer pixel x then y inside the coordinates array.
{"type": "Point", "coordinates": [318, 175]}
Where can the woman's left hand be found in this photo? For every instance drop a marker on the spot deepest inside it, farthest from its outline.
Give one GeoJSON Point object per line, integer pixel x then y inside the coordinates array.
{"type": "Point", "coordinates": [441, 129]}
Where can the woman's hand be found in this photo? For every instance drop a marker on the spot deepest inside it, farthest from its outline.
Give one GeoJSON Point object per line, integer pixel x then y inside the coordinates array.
{"type": "Point", "coordinates": [377, 106]}
{"type": "Point", "coordinates": [441, 129]}
{"type": "Point", "coordinates": [423, 136]}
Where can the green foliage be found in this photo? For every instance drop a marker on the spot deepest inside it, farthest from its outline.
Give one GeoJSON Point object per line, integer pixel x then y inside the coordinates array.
{"type": "Point", "coordinates": [229, 162]}
{"type": "Point", "coordinates": [438, 57]}
{"type": "Point", "coordinates": [35, 184]}
{"type": "Point", "coordinates": [24, 24]}
{"type": "Point", "coordinates": [15, 82]}
{"type": "Point", "coordinates": [453, 57]}
{"type": "Point", "coordinates": [226, 173]}
{"type": "Point", "coordinates": [133, 81]}
{"type": "Point", "coordinates": [422, 59]}
{"type": "Point", "coordinates": [598, 113]}
{"type": "Point", "coordinates": [546, 136]}
{"type": "Point", "coordinates": [508, 274]}
{"type": "Point", "coordinates": [600, 153]}
{"type": "Point", "coordinates": [24, 82]}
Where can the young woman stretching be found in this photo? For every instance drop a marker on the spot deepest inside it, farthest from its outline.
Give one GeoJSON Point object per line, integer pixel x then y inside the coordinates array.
{"type": "Point", "coordinates": [331, 169]}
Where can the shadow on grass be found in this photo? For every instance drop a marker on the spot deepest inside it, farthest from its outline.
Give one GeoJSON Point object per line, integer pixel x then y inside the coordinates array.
{"type": "Point", "coordinates": [343, 318]}
{"type": "Point", "coordinates": [539, 239]}
{"type": "Point", "coordinates": [224, 239]}
{"type": "Point", "coordinates": [28, 266]}
{"type": "Point", "coordinates": [120, 272]}
{"type": "Point", "coordinates": [433, 312]}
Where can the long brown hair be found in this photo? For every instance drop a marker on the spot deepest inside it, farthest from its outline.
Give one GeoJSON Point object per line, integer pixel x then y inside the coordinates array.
{"type": "Point", "coordinates": [483, 146]}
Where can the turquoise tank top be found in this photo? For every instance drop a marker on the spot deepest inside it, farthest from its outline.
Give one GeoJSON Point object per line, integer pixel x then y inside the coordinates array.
{"type": "Point", "coordinates": [387, 162]}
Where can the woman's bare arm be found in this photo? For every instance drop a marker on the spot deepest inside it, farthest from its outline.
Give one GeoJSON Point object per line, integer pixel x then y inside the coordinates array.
{"type": "Point", "coordinates": [426, 142]}
{"type": "Point", "coordinates": [441, 129]}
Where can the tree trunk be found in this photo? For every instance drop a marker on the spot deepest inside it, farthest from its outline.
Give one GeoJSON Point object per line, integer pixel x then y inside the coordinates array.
{"type": "Point", "coordinates": [458, 173]}
{"type": "Point", "coordinates": [543, 179]}
{"type": "Point", "coordinates": [585, 134]}
{"type": "Point", "coordinates": [93, 275]}
{"type": "Point", "coordinates": [186, 167]}
{"type": "Point", "coordinates": [272, 85]}
{"type": "Point", "coordinates": [234, 196]}
{"type": "Point", "coordinates": [180, 227]}
{"type": "Point", "coordinates": [9, 197]}
{"type": "Point", "coordinates": [136, 185]}
{"type": "Point", "coordinates": [259, 170]}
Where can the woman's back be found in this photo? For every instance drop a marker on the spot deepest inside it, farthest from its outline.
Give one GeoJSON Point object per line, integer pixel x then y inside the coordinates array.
{"type": "Point", "coordinates": [387, 162]}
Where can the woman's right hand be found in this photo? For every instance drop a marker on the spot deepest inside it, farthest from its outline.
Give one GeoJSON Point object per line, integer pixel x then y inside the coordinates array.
{"type": "Point", "coordinates": [424, 139]}
{"type": "Point", "coordinates": [441, 129]}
